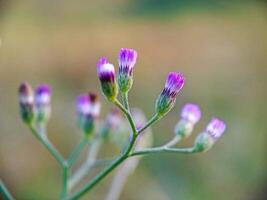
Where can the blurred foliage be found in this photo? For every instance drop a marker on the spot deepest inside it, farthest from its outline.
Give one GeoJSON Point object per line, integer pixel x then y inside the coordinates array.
{"type": "Point", "coordinates": [221, 48]}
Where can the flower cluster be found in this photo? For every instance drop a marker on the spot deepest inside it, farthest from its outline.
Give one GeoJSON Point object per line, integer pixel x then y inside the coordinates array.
{"type": "Point", "coordinates": [35, 106]}
{"type": "Point", "coordinates": [134, 138]}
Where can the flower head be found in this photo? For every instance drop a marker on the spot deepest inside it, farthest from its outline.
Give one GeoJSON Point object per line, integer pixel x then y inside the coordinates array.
{"type": "Point", "coordinates": [216, 128]}
{"type": "Point", "coordinates": [127, 59]}
{"type": "Point", "coordinates": [42, 102]}
{"type": "Point", "coordinates": [213, 132]}
{"type": "Point", "coordinates": [88, 109]}
{"type": "Point", "coordinates": [106, 75]}
{"type": "Point", "coordinates": [26, 102]}
{"type": "Point", "coordinates": [190, 115]}
{"type": "Point", "coordinates": [166, 100]}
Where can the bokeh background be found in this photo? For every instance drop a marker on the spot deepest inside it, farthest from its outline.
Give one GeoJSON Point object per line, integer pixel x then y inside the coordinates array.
{"type": "Point", "coordinates": [221, 48]}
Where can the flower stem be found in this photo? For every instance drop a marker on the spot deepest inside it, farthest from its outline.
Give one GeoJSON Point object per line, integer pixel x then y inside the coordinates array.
{"type": "Point", "coordinates": [125, 100]}
{"type": "Point", "coordinates": [76, 152]}
{"type": "Point", "coordinates": [4, 191]}
{"type": "Point", "coordinates": [162, 150]}
{"type": "Point", "coordinates": [127, 113]}
{"type": "Point", "coordinates": [53, 151]}
{"type": "Point", "coordinates": [116, 162]}
{"type": "Point", "coordinates": [65, 176]}
{"type": "Point", "coordinates": [155, 118]}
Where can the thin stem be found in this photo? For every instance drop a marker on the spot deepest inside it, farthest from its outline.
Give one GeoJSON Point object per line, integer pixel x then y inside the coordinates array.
{"type": "Point", "coordinates": [65, 176]}
{"type": "Point", "coordinates": [115, 163]}
{"type": "Point", "coordinates": [4, 191]}
{"type": "Point", "coordinates": [87, 165]}
{"type": "Point", "coordinates": [125, 100]}
{"type": "Point", "coordinates": [76, 152]}
{"type": "Point", "coordinates": [173, 142]}
{"type": "Point", "coordinates": [162, 150]}
{"type": "Point", "coordinates": [127, 113]}
{"type": "Point", "coordinates": [155, 118]}
{"type": "Point", "coordinates": [53, 151]}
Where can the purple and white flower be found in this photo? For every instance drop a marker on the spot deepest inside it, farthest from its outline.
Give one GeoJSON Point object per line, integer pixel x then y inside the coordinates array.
{"type": "Point", "coordinates": [43, 102]}
{"type": "Point", "coordinates": [126, 59]}
{"type": "Point", "coordinates": [88, 109]}
{"type": "Point", "coordinates": [215, 128]}
{"type": "Point", "coordinates": [213, 132]}
{"type": "Point", "coordinates": [174, 83]}
{"type": "Point", "coordinates": [26, 102]}
{"type": "Point", "coordinates": [191, 113]}
{"type": "Point", "coordinates": [106, 75]}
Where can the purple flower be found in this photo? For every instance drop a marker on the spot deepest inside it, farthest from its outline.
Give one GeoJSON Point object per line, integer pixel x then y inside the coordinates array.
{"type": "Point", "coordinates": [87, 104]}
{"type": "Point", "coordinates": [166, 100]}
{"type": "Point", "coordinates": [106, 74]}
{"type": "Point", "coordinates": [26, 95]}
{"type": "Point", "coordinates": [26, 102]}
{"type": "Point", "coordinates": [105, 70]}
{"type": "Point", "coordinates": [191, 113]}
{"type": "Point", "coordinates": [216, 128]}
{"type": "Point", "coordinates": [43, 102]}
{"type": "Point", "coordinates": [207, 139]}
{"type": "Point", "coordinates": [88, 108]}
{"type": "Point", "coordinates": [127, 59]}
{"type": "Point", "coordinates": [42, 95]}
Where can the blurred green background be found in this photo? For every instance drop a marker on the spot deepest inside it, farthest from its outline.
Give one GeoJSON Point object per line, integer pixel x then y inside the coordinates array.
{"type": "Point", "coordinates": [221, 48]}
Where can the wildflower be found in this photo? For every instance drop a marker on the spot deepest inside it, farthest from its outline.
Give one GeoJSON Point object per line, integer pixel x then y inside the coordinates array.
{"type": "Point", "coordinates": [127, 59]}
{"type": "Point", "coordinates": [43, 103]}
{"type": "Point", "coordinates": [26, 102]}
{"type": "Point", "coordinates": [88, 108]}
{"type": "Point", "coordinates": [106, 74]}
{"type": "Point", "coordinates": [167, 98]}
{"type": "Point", "coordinates": [190, 115]}
{"type": "Point", "coordinates": [213, 132]}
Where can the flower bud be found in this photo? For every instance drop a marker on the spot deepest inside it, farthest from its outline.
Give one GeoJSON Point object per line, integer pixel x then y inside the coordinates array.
{"type": "Point", "coordinates": [127, 59]}
{"type": "Point", "coordinates": [106, 75]}
{"type": "Point", "coordinates": [26, 102]}
{"type": "Point", "coordinates": [43, 103]}
{"type": "Point", "coordinates": [88, 108]}
{"type": "Point", "coordinates": [190, 115]}
{"type": "Point", "coordinates": [213, 132]}
{"type": "Point", "coordinates": [167, 98]}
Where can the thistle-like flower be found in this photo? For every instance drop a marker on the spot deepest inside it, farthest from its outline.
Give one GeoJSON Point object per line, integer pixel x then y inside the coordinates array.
{"type": "Point", "coordinates": [127, 59]}
{"type": "Point", "coordinates": [190, 115]}
{"type": "Point", "coordinates": [26, 102]}
{"type": "Point", "coordinates": [43, 103]}
{"type": "Point", "coordinates": [88, 109]}
{"type": "Point", "coordinates": [213, 132]}
{"type": "Point", "coordinates": [106, 75]}
{"type": "Point", "coordinates": [167, 98]}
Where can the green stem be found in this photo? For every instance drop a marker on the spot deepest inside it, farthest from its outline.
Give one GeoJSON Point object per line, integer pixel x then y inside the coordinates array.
{"type": "Point", "coordinates": [54, 152]}
{"type": "Point", "coordinates": [65, 176]}
{"type": "Point", "coordinates": [162, 150]}
{"type": "Point", "coordinates": [4, 191]}
{"type": "Point", "coordinates": [127, 113]}
{"type": "Point", "coordinates": [76, 152]}
{"type": "Point", "coordinates": [115, 163]}
{"type": "Point", "coordinates": [125, 100]}
{"type": "Point", "coordinates": [155, 118]}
